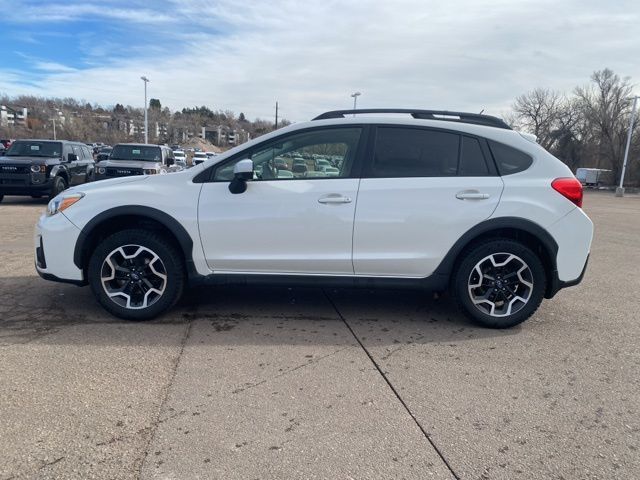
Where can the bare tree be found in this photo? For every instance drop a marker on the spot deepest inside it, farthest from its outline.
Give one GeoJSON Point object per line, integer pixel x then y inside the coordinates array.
{"type": "Point", "coordinates": [540, 112]}
{"type": "Point", "coordinates": [605, 105]}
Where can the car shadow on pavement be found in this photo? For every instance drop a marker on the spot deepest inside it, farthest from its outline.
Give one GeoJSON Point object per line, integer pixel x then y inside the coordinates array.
{"type": "Point", "coordinates": [31, 309]}
{"type": "Point", "coordinates": [25, 200]}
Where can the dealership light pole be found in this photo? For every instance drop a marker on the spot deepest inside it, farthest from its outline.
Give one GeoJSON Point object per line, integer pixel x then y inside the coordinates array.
{"type": "Point", "coordinates": [355, 100]}
{"type": "Point", "coordinates": [54, 128]}
{"type": "Point", "coordinates": [146, 107]}
{"type": "Point", "coordinates": [620, 189]}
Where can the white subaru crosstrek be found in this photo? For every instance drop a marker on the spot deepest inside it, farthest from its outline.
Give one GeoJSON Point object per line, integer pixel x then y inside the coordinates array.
{"type": "Point", "coordinates": [428, 199]}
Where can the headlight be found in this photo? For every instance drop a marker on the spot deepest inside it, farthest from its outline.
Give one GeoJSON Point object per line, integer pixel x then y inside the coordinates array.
{"type": "Point", "coordinates": [102, 170]}
{"type": "Point", "coordinates": [150, 171]}
{"type": "Point", "coordinates": [62, 202]}
{"type": "Point", "coordinates": [38, 168]}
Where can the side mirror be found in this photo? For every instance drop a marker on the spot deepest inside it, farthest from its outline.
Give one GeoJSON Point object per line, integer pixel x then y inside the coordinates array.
{"type": "Point", "coordinates": [72, 157]}
{"type": "Point", "coordinates": [242, 171]}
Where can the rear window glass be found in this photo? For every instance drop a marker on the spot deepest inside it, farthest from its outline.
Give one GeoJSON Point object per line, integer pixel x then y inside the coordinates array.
{"type": "Point", "coordinates": [472, 161]}
{"type": "Point", "coordinates": [136, 152]}
{"type": "Point", "coordinates": [508, 159]}
{"type": "Point", "coordinates": [406, 152]}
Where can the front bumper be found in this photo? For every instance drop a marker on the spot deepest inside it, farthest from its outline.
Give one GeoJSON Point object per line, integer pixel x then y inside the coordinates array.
{"type": "Point", "coordinates": [25, 184]}
{"type": "Point", "coordinates": [54, 241]}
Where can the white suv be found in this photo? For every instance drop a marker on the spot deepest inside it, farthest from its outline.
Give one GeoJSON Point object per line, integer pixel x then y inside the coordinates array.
{"type": "Point", "coordinates": [434, 200]}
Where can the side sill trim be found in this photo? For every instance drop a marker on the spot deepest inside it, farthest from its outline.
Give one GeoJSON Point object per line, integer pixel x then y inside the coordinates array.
{"type": "Point", "coordinates": [431, 283]}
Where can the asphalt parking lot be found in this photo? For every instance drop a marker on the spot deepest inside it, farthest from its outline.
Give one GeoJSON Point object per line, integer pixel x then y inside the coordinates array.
{"type": "Point", "coordinates": [306, 383]}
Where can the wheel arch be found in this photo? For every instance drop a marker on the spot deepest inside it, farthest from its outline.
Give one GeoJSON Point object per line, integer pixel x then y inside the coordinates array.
{"type": "Point", "coordinates": [60, 171]}
{"type": "Point", "coordinates": [529, 233]}
{"type": "Point", "coordinates": [132, 216]}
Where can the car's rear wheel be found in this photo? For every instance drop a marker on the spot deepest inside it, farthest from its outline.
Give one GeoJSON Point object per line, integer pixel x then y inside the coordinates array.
{"type": "Point", "coordinates": [136, 274]}
{"type": "Point", "coordinates": [499, 283]}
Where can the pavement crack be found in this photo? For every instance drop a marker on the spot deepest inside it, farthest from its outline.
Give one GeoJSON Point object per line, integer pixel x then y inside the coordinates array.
{"type": "Point", "coordinates": [298, 367]}
{"type": "Point", "coordinates": [52, 462]}
{"type": "Point", "coordinates": [393, 389]}
{"type": "Point", "coordinates": [391, 352]}
{"type": "Point", "coordinates": [165, 396]}
{"type": "Point", "coordinates": [120, 438]}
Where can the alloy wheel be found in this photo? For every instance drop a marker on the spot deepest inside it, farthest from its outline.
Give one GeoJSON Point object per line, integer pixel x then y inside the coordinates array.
{"type": "Point", "coordinates": [133, 276]}
{"type": "Point", "coordinates": [500, 284]}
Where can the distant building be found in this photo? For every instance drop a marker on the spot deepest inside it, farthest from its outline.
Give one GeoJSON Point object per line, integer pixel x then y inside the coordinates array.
{"type": "Point", "coordinates": [13, 116]}
{"type": "Point", "coordinates": [223, 136]}
{"type": "Point", "coordinates": [161, 130]}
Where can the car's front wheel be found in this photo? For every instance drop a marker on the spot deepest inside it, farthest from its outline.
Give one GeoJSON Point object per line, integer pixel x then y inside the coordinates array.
{"type": "Point", "coordinates": [499, 283]}
{"type": "Point", "coordinates": [136, 274]}
{"type": "Point", "coordinates": [59, 186]}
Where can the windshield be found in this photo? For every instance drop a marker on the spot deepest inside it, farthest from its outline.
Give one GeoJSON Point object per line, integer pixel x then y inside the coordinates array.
{"type": "Point", "coordinates": [136, 152]}
{"type": "Point", "coordinates": [35, 149]}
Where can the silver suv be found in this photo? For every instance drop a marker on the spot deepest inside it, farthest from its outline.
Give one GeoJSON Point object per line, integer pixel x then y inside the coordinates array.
{"type": "Point", "coordinates": [130, 159]}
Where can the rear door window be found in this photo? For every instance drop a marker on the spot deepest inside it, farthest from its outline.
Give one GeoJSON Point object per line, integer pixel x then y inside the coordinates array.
{"type": "Point", "coordinates": [508, 159]}
{"type": "Point", "coordinates": [415, 152]}
{"type": "Point", "coordinates": [472, 161]}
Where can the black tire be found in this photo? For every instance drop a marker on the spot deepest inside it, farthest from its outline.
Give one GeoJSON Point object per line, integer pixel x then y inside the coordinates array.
{"type": "Point", "coordinates": [466, 276]}
{"type": "Point", "coordinates": [36, 196]}
{"type": "Point", "coordinates": [172, 264]}
{"type": "Point", "coordinates": [1, 198]}
{"type": "Point", "coordinates": [59, 186]}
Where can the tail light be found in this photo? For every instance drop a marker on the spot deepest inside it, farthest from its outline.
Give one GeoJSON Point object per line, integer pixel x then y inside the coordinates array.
{"type": "Point", "coordinates": [570, 188]}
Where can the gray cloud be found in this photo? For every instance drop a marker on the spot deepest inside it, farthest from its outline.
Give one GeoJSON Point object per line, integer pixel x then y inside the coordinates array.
{"type": "Point", "coordinates": [310, 56]}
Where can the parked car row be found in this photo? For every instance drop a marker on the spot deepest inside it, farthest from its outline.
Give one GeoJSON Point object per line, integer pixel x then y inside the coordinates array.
{"type": "Point", "coordinates": [40, 168]}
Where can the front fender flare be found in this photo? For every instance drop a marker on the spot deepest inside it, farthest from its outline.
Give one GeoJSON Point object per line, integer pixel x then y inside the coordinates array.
{"type": "Point", "coordinates": [173, 225]}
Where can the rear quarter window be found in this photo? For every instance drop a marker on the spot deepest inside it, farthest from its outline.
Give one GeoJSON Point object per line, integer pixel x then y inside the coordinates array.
{"type": "Point", "coordinates": [508, 159]}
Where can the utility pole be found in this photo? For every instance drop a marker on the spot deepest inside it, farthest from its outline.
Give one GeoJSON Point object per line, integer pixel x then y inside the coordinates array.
{"type": "Point", "coordinates": [276, 115]}
{"type": "Point", "coordinates": [146, 108]}
{"type": "Point", "coordinates": [54, 128]}
{"type": "Point", "coordinates": [620, 189]}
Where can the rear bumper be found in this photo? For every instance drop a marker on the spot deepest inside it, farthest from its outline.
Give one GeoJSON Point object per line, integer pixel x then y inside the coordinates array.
{"type": "Point", "coordinates": [573, 234]}
{"type": "Point", "coordinates": [557, 284]}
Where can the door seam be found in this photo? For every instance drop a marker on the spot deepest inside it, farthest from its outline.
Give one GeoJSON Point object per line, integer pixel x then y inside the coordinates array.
{"type": "Point", "coordinates": [353, 226]}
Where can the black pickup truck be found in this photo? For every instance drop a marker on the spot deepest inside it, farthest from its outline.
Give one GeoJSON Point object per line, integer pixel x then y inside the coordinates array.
{"type": "Point", "coordinates": [44, 167]}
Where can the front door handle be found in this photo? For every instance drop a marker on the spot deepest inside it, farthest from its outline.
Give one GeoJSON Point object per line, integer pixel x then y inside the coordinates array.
{"type": "Point", "coordinates": [471, 195]}
{"type": "Point", "coordinates": [334, 198]}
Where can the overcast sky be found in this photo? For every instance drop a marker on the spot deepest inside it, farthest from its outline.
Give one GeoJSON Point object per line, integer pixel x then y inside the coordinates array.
{"type": "Point", "coordinates": [311, 55]}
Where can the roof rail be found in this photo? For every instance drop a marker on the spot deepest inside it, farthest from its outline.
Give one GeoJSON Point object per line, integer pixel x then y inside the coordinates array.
{"type": "Point", "coordinates": [461, 117]}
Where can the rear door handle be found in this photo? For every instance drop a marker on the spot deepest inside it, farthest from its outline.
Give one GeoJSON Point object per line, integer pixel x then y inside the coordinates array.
{"type": "Point", "coordinates": [471, 195]}
{"type": "Point", "coordinates": [334, 198]}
